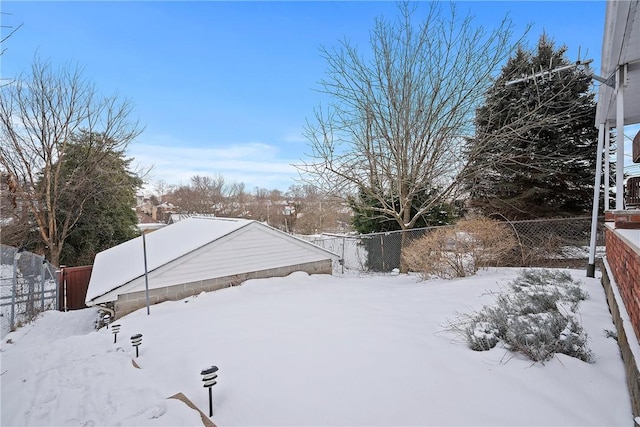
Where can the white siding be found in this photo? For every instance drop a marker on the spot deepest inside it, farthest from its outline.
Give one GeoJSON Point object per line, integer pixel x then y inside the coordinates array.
{"type": "Point", "coordinates": [254, 247]}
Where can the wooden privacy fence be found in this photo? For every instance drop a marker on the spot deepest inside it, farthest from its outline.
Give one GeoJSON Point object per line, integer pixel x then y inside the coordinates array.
{"type": "Point", "coordinates": [74, 282]}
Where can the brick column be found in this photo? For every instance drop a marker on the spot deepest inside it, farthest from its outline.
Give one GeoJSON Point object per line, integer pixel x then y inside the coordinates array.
{"type": "Point", "coordinates": [629, 219]}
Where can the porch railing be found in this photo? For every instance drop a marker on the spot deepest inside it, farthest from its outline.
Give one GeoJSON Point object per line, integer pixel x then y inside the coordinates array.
{"type": "Point", "coordinates": [632, 196]}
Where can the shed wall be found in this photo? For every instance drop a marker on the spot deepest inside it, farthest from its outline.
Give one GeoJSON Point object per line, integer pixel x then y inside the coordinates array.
{"type": "Point", "coordinates": [244, 251]}
{"type": "Point", "coordinates": [130, 302]}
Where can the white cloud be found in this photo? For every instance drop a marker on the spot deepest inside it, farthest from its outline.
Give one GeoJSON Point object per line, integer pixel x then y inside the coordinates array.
{"type": "Point", "coordinates": [254, 163]}
{"type": "Point", "coordinates": [295, 136]}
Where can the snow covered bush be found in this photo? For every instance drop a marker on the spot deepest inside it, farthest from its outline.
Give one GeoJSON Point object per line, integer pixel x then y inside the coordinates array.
{"type": "Point", "coordinates": [535, 316]}
{"type": "Point", "coordinates": [461, 250]}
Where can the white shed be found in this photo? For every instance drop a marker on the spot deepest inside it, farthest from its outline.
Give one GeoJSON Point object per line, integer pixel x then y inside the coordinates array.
{"type": "Point", "coordinates": [198, 254]}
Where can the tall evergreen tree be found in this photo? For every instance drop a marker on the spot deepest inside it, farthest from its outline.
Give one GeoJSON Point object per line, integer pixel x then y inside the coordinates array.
{"type": "Point", "coordinates": [535, 141]}
{"type": "Point", "coordinates": [108, 188]}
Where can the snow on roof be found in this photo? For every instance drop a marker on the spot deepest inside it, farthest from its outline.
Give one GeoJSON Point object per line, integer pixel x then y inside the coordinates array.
{"type": "Point", "coordinates": [119, 265]}
{"type": "Point", "coordinates": [175, 217]}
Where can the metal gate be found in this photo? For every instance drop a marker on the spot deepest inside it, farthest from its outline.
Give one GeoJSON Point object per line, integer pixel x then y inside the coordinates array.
{"type": "Point", "coordinates": [28, 286]}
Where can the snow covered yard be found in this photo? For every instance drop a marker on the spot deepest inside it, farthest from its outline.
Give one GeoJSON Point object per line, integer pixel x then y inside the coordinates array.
{"type": "Point", "coordinates": [309, 350]}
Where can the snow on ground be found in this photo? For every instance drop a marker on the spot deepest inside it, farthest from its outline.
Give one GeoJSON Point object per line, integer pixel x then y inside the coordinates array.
{"type": "Point", "coordinates": [309, 350]}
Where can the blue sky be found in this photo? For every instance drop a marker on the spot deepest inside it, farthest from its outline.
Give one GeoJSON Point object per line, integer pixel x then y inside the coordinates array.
{"type": "Point", "coordinates": [225, 87]}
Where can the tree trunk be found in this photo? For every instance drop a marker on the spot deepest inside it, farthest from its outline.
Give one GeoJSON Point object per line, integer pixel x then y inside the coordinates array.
{"type": "Point", "coordinates": [403, 264]}
{"type": "Point", "coordinates": [54, 254]}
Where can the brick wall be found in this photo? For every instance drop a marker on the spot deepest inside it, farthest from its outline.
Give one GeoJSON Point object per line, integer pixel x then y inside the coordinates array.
{"type": "Point", "coordinates": [626, 337]}
{"type": "Point", "coordinates": [130, 302]}
{"type": "Point", "coordinates": [621, 281]}
{"type": "Point", "coordinates": [625, 267]}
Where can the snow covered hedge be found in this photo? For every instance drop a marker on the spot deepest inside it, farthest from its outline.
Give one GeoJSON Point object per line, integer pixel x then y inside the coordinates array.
{"type": "Point", "coordinates": [535, 316]}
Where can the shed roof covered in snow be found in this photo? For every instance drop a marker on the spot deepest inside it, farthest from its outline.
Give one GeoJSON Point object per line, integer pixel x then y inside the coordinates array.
{"type": "Point", "coordinates": [210, 247]}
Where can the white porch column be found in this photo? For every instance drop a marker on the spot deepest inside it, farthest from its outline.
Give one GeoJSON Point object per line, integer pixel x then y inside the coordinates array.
{"type": "Point", "coordinates": [607, 165]}
{"type": "Point", "coordinates": [591, 268]}
{"type": "Point", "coordinates": [620, 139]}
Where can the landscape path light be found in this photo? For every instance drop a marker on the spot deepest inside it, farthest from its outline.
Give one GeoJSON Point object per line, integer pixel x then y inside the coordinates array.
{"type": "Point", "coordinates": [136, 340]}
{"type": "Point", "coordinates": [114, 330]}
{"type": "Point", "coordinates": [106, 319]}
{"type": "Point", "coordinates": [209, 376]}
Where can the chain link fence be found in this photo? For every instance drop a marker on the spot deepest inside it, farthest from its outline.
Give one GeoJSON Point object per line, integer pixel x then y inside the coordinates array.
{"type": "Point", "coordinates": [560, 242]}
{"type": "Point", "coordinates": [28, 286]}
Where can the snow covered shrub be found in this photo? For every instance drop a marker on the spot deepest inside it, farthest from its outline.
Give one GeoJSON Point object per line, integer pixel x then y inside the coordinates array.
{"type": "Point", "coordinates": [535, 316]}
{"type": "Point", "coordinates": [481, 335]}
{"type": "Point", "coordinates": [461, 250]}
{"type": "Point", "coordinates": [540, 336]}
{"type": "Point", "coordinates": [544, 287]}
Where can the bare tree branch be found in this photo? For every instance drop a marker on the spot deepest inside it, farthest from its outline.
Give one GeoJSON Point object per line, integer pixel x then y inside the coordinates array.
{"type": "Point", "coordinates": [40, 113]}
{"type": "Point", "coordinates": [395, 127]}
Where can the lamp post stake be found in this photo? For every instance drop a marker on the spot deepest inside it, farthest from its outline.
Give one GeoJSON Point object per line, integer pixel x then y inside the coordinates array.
{"type": "Point", "coordinates": [146, 276]}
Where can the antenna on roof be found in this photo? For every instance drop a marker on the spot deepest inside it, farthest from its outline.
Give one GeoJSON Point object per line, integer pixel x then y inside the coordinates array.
{"type": "Point", "coordinates": [544, 74]}
{"type": "Point", "coordinates": [547, 74]}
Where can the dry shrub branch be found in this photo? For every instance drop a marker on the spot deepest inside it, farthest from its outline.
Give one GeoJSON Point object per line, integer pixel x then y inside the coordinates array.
{"type": "Point", "coordinates": [460, 250]}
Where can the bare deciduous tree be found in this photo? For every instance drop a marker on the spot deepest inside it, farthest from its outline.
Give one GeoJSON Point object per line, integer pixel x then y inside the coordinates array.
{"type": "Point", "coordinates": [210, 191]}
{"type": "Point", "coordinates": [10, 31]}
{"type": "Point", "coordinates": [318, 212]}
{"type": "Point", "coordinates": [40, 114]}
{"type": "Point", "coordinates": [237, 201]}
{"type": "Point", "coordinates": [397, 121]}
{"type": "Point", "coordinates": [209, 195]}
{"type": "Point", "coordinates": [161, 188]}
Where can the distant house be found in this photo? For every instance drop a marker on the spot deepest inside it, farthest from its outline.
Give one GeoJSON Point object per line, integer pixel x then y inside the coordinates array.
{"type": "Point", "coordinates": [163, 211]}
{"type": "Point", "coordinates": [198, 254]}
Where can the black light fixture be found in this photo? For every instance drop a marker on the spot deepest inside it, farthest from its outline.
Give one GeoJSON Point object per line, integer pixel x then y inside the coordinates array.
{"type": "Point", "coordinates": [106, 319]}
{"type": "Point", "coordinates": [136, 340]}
{"type": "Point", "coordinates": [209, 376]}
{"type": "Point", "coordinates": [114, 330]}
